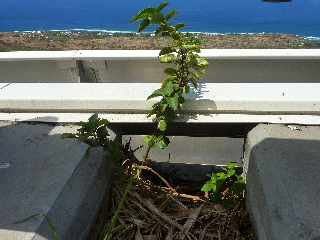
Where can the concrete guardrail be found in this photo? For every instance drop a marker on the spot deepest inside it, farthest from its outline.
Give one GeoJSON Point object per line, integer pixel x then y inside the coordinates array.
{"type": "Point", "coordinates": [226, 65]}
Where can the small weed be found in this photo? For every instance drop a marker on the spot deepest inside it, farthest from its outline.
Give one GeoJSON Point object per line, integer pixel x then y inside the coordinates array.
{"type": "Point", "coordinates": [226, 187]}
{"type": "Point", "coordinates": [93, 132]}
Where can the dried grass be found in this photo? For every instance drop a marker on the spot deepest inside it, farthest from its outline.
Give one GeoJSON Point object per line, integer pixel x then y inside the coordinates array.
{"type": "Point", "coordinates": [153, 212]}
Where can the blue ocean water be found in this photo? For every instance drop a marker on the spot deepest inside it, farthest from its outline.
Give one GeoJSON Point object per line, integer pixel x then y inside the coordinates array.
{"type": "Point", "coordinates": [301, 17]}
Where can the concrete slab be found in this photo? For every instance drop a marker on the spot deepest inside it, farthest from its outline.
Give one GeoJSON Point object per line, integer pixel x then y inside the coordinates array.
{"type": "Point", "coordinates": [282, 173]}
{"type": "Point", "coordinates": [47, 175]}
{"type": "Point", "coordinates": [194, 150]}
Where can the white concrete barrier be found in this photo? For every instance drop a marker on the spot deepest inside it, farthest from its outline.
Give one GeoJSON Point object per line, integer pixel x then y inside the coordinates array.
{"type": "Point", "coordinates": [39, 71]}
{"type": "Point", "coordinates": [231, 98]}
{"type": "Point", "coordinates": [226, 65]}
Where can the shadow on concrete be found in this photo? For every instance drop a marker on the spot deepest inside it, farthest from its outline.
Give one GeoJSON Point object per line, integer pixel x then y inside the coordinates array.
{"type": "Point", "coordinates": [234, 130]}
{"type": "Point", "coordinates": [184, 176]}
{"type": "Point", "coordinates": [184, 128]}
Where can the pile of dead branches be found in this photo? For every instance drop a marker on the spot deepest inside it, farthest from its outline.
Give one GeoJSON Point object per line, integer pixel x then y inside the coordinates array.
{"type": "Point", "coordinates": [142, 209]}
{"type": "Point", "coordinates": [152, 213]}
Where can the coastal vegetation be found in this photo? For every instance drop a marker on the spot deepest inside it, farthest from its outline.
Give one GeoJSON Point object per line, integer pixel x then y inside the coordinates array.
{"type": "Point", "coordinates": [99, 40]}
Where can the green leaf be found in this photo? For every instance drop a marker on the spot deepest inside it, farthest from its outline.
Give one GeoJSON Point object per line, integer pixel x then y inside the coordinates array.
{"type": "Point", "coordinates": [226, 187]}
{"type": "Point", "coordinates": [93, 118]}
{"type": "Point", "coordinates": [170, 71]}
{"type": "Point", "coordinates": [231, 165]}
{"type": "Point", "coordinates": [179, 26]}
{"type": "Point", "coordinates": [144, 24]}
{"type": "Point", "coordinates": [162, 6]}
{"type": "Point", "coordinates": [181, 100]}
{"type": "Point", "coordinates": [163, 142]}
{"type": "Point", "coordinates": [202, 62]}
{"type": "Point", "coordinates": [163, 107]}
{"type": "Point", "coordinates": [206, 187]}
{"type": "Point", "coordinates": [169, 88]}
{"type": "Point", "coordinates": [149, 140]}
{"type": "Point", "coordinates": [92, 123]}
{"type": "Point", "coordinates": [231, 173]}
{"type": "Point", "coordinates": [176, 36]}
{"type": "Point", "coordinates": [167, 58]}
{"type": "Point", "coordinates": [162, 125]}
{"type": "Point", "coordinates": [173, 102]}
{"type": "Point", "coordinates": [147, 12]}
{"type": "Point", "coordinates": [197, 75]}
{"type": "Point", "coordinates": [186, 89]}
{"type": "Point", "coordinates": [216, 197]}
{"type": "Point", "coordinates": [103, 122]}
{"type": "Point", "coordinates": [170, 15]}
{"type": "Point", "coordinates": [156, 93]}
{"type": "Point", "coordinates": [194, 82]}
{"type": "Point", "coordinates": [155, 109]}
{"type": "Point", "coordinates": [221, 178]}
{"type": "Point", "coordinates": [102, 132]}
{"type": "Point", "coordinates": [169, 78]}
{"type": "Point", "coordinates": [191, 46]}
{"type": "Point", "coordinates": [157, 18]}
{"type": "Point", "coordinates": [166, 50]}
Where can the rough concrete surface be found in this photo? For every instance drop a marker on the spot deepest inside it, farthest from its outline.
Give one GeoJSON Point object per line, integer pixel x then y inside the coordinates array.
{"type": "Point", "coordinates": [43, 174]}
{"type": "Point", "coordinates": [194, 150]}
{"type": "Point", "coordinates": [282, 165]}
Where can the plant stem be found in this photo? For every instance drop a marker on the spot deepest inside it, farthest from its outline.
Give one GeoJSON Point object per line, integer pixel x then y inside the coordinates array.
{"type": "Point", "coordinates": [115, 217]}
{"type": "Point", "coordinates": [158, 175]}
{"type": "Point", "coordinates": [146, 155]}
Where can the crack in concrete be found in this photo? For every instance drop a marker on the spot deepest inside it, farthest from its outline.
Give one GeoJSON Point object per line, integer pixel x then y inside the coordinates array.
{"type": "Point", "coordinates": [5, 86]}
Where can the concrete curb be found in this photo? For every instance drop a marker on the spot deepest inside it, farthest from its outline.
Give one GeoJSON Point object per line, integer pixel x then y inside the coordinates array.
{"type": "Point", "coordinates": [41, 175]}
{"type": "Point", "coordinates": [76, 208]}
{"type": "Point", "coordinates": [282, 173]}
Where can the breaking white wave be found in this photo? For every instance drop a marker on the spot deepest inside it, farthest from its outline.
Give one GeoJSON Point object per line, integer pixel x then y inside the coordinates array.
{"type": "Point", "coordinates": [111, 32]}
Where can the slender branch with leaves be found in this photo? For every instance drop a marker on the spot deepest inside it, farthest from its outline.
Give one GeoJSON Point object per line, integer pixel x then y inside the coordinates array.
{"type": "Point", "coordinates": [185, 68]}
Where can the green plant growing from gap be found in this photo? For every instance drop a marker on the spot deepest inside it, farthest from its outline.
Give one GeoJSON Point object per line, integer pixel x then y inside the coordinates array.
{"type": "Point", "coordinates": [226, 187]}
{"type": "Point", "coordinates": [185, 68]}
{"type": "Point", "coordinates": [93, 132]}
